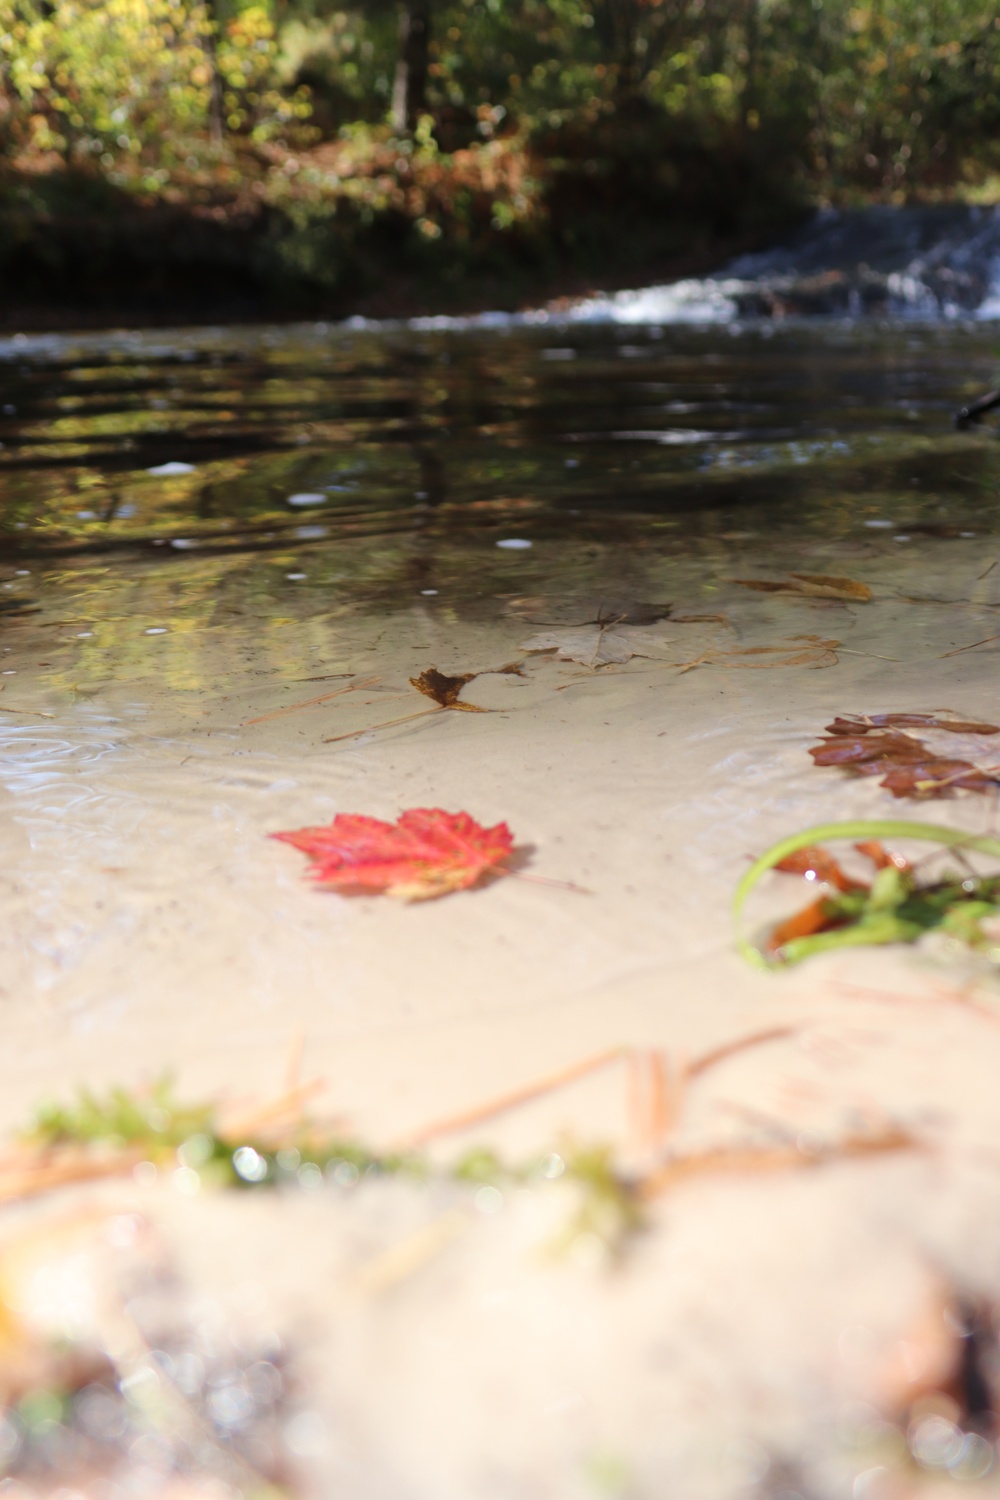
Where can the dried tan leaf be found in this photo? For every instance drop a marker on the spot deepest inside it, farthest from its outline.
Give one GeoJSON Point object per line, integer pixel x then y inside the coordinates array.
{"type": "Point", "coordinates": [445, 690]}
{"type": "Point", "coordinates": [810, 586]}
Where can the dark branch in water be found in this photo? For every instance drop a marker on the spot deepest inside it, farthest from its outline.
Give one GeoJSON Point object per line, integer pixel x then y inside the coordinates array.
{"type": "Point", "coordinates": [977, 409]}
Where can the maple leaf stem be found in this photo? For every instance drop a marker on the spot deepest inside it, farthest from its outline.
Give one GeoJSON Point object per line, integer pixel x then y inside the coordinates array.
{"type": "Point", "coordinates": [935, 833]}
{"type": "Point", "coordinates": [558, 885]}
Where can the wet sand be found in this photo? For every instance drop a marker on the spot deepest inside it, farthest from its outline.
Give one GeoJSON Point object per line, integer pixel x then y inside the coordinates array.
{"type": "Point", "coordinates": [756, 1335]}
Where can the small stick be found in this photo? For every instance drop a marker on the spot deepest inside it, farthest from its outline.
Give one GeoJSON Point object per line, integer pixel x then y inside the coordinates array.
{"type": "Point", "coordinates": [310, 702]}
{"type": "Point", "coordinates": [386, 724]}
{"type": "Point", "coordinates": [771, 1158]}
{"type": "Point", "coordinates": [59, 1169]}
{"type": "Point", "coordinates": [939, 997]}
{"type": "Point", "coordinates": [558, 885]}
{"type": "Point", "coordinates": [287, 1106]}
{"type": "Point", "coordinates": [499, 1105]}
{"type": "Point", "coordinates": [959, 649]}
{"type": "Point", "coordinates": [655, 1093]}
{"type": "Point", "coordinates": [966, 415]}
{"type": "Point", "coordinates": [293, 1064]}
{"type": "Point", "coordinates": [730, 1049]}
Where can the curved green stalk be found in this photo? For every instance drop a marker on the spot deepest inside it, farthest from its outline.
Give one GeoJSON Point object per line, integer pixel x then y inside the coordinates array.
{"type": "Point", "coordinates": [948, 838]}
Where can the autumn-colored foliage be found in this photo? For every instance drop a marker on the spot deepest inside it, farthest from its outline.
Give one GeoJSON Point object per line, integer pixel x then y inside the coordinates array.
{"type": "Point", "coordinates": [426, 853]}
{"type": "Point", "coordinates": [884, 745]}
{"type": "Point", "coordinates": [896, 906]}
{"type": "Point", "coordinates": [811, 586]}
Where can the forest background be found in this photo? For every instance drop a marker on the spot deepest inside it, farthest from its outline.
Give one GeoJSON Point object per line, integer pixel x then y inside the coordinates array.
{"type": "Point", "coordinates": [167, 158]}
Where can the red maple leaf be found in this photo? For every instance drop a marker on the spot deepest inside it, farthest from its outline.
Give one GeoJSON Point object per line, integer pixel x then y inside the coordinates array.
{"type": "Point", "coordinates": [428, 852]}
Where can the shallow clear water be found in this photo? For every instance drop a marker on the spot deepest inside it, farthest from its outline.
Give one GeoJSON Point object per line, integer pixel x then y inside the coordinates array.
{"type": "Point", "coordinates": [383, 465]}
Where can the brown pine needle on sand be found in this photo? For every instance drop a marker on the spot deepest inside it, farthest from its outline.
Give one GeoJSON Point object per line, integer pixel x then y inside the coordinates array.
{"type": "Point", "coordinates": [746, 1159]}
{"type": "Point", "coordinates": [959, 649]}
{"type": "Point", "coordinates": [498, 1105]}
{"type": "Point", "coordinates": [291, 708]}
{"type": "Point", "coordinates": [386, 724]}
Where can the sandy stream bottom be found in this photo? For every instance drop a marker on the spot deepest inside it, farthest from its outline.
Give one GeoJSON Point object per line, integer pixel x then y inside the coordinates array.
{"type": "Point", "coordinates": [762, 1331]}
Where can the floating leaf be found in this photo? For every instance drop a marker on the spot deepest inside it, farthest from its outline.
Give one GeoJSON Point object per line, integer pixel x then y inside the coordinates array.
{"type": "Point", "coordinates": [882, 745]}
{"type": "Point", "coordinates": [427, 853]}
{"type": "Point", "coordinates": [810, 586]}
{"type": "Point", "coordinates": [894, 908]}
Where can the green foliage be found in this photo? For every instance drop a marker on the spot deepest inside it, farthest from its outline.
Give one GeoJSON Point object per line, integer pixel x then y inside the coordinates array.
{"type": "Point", "coordinates": [898, 907]}
{"type": "Point", "coordinates": [153, 1125]}
{"type": "Point", "coordinates": [153, 1119]}
{"type": "Point", "coordinates": [605, 132]}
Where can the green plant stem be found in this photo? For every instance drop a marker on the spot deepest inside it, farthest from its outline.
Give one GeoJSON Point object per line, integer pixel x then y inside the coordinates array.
{"type": "Point", "coordinates": [948, 838]}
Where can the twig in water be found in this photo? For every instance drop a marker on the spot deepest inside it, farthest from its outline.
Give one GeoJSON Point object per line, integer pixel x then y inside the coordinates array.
{"type": "Point", "coordinates": [291, 708]}
{"type": "Point", "coordinates": [386, 724]}
{"type": "Point", "coordinates": [959, 649]}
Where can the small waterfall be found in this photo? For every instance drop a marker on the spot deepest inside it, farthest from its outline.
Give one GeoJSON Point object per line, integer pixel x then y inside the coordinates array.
{"type": "Point", "coordinates": [929, 263]}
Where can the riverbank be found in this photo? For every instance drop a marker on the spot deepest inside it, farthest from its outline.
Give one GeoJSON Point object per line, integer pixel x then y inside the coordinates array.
{"type": "Point", "coordinates": [779, 1317]}
{"type": "Point", "coordinates": [291, 238]}
{"type": "Point", "coordinates": [539, 1188]}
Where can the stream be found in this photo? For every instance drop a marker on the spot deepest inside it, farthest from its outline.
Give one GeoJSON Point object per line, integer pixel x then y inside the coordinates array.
{"type": "Point", "coordinates": [225, 556]}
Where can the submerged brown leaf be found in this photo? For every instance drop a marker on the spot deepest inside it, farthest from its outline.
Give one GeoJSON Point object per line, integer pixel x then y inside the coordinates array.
{"type": "Point", "coordinates": [884, 745]}
{"type": "Point", "coordinates": [445, 690]}
{"type": "Point", "coordinates": [863, 723]}
{"type": "Point", "coordinates": [810, 586]}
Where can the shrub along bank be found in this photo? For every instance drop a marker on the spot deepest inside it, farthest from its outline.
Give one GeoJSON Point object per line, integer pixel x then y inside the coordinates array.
{"type": "Point", "coordinates": [189, 158]}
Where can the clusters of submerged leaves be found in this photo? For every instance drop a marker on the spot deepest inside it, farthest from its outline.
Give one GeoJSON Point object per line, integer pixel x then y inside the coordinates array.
{"type": "Point", "coordinates": [894, 907]}
{"type": "Point", "coordinates": [884, 745]}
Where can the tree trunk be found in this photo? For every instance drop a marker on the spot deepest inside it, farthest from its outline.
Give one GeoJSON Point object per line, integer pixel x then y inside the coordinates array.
{"type": "Point", "coordinates": [216, 103]}
{"type": "Point", "coordinates": [748, 102]}
{"type": "Point", "coordinates": [409, 92]}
